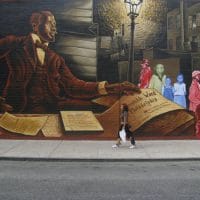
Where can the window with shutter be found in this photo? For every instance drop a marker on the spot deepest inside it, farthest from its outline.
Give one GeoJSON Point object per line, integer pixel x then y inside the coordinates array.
{"type": "Point", "coordinates": [190, 23]}
{"type": "Point", "coordinates": [198, 20]}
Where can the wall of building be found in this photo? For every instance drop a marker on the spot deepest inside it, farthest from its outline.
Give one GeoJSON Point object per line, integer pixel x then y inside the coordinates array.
{"type": "Point", "coordinates": [83, 44]}
{"type": "Point", "coordinates": [192, 28]}
{"type": "Point", "coordinates": [173, 29]}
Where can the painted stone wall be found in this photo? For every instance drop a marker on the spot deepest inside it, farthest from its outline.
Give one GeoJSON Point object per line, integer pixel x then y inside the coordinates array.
{"type": "Point", "coordinates": [110, 15]}
{"type": "Point", "coordinates": [151, 23]}
{"type": "Point", "coordinates": [151, 27]}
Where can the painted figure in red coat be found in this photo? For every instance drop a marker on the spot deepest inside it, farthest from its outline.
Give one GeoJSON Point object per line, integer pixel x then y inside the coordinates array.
{"type": "Point", "coordinates": [145, 74]}
{"type": "Point", "coordinates": [197, 113]}
{"type": "Point", "coordinates": [194, 97]}
{"type": "Point", "coordinates": [35, 79]}
{"type": "Point", "coordinates": [194, 92]}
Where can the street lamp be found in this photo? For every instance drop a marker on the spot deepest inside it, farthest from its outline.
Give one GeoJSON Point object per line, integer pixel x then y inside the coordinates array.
{"type": "Point", "coordinates": [133, 9]}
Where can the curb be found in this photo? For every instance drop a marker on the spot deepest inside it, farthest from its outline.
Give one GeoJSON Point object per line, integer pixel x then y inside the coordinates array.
{"type": "Point", "coordinates": [97, 160]}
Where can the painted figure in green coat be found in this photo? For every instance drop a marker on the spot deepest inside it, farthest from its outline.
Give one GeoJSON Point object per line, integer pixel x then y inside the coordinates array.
{"type": "Point", "coordinates": [158, 79]}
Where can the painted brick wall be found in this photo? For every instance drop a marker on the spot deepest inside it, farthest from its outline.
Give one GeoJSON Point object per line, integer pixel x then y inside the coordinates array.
{"type": "Point", "coordinates": [151, 27]}
{"type": "Point", "coordinates": [151, 23]}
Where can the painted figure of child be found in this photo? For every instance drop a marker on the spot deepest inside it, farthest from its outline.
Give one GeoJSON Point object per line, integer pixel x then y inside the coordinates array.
{"type": "Point", "coordinates": [168, 90]}
{"type": "Point", "coordinates": [124, 124]}
{"type": "Point", "coordinates": [158, 79]}
{"type": "Point", "coordinates": [180, 91]}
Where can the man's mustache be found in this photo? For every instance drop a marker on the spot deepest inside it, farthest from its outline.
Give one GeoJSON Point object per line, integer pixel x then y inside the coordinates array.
{"type": "Point", "coordinates": [53, 33]}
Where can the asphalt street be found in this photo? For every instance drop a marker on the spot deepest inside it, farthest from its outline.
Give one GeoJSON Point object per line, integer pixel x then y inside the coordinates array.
{"type": "Point", "coordinates": [31, 180]}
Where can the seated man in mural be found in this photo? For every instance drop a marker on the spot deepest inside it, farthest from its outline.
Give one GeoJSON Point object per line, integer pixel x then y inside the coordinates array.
{"type": "Point", "coordinates": [34, 79]}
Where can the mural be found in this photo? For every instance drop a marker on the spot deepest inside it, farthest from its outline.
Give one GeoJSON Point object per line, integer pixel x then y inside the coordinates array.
{"type": "Point", "coordinates": [67, 64]}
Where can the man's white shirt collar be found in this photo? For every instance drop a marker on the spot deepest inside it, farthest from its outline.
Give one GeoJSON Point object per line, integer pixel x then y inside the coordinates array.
{"type": "Point", "coordinates": [40, 52]}
{"type": "Point", "coordinates": [35, 38]}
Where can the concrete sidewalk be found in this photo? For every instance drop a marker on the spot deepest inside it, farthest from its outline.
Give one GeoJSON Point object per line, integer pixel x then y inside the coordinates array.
{"type": "Point", "coordinates": [98, 150]}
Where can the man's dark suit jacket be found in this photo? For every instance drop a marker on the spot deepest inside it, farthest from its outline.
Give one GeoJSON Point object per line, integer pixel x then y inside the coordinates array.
{"type": "Point", "coordinates": [18, 61]}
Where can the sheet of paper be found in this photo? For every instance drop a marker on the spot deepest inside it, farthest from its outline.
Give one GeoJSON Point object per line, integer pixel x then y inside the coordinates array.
{"type": "Point", "coordinates": [147, 105]}
{"type": "Point", "coordinates": [53, 127]}
{"type": "Point", "coordinates": [142, 107]}
{"type": "Point", "coordinates": [22, 125]}
{"type": "Point", "coordinates": [80, 121]}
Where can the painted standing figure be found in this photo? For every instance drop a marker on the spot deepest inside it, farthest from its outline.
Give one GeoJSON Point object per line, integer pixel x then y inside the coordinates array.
{"type": "Point", "coordinates": [37, 80]}
{"type": "Point", "coordinates": [158, 79]}
{"type": "Point", "coordinates": [124, 124]}
{"type": "Point", "coordinates": [194, 98]}
{"type": "Point", "coordinates": [168, 90]}
{"type": "Point", "coordinates": [194, 91]}
{"type": "Point", "coordinates": [197, 114]}
{"type": "Point", "coordinates": [145, 74]}
{"type": "Point", "coordinates": [180, 91]}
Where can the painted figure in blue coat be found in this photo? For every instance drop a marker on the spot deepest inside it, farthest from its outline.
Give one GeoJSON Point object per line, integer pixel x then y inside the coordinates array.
{"type": "Point", "coordinates": [168, 90]}
{"type": "Point", "coordinates": [180, 91]}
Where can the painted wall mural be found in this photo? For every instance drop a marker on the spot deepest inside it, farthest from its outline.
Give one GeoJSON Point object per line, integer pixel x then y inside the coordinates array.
{"type": "Point", "coordinates": [64, 68]}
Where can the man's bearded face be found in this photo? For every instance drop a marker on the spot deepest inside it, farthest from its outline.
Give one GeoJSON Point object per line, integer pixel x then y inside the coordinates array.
{"type": "Point", "coordinates": [47, 29]}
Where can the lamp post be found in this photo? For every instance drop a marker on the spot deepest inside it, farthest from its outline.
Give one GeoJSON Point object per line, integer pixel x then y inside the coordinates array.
{"type": "Point", "coordinates": [133, 8]}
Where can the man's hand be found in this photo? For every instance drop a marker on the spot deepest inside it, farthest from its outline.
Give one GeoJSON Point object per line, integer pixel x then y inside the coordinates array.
{"type": "Point", "coordinates": [122, 88]}
{"type": "Point", "coordinates": [2, 100]}
{"type": "Point", "coordinates": [4, 107]}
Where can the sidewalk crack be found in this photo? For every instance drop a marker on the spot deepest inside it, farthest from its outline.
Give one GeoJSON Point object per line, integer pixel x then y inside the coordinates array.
{"type": "Point", "coordinates": [13, 147]}
{"type": "Point", "coordinates": [55, 148]}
